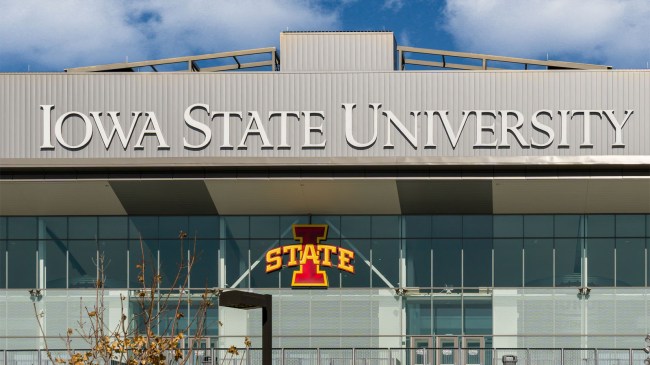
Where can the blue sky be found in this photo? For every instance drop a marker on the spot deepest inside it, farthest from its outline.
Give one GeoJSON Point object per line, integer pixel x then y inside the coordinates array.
{"type": "Point", "coordinates": [41, 35]}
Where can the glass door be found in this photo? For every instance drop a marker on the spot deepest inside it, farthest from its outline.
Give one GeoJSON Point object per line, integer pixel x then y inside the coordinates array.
{"type": "Point", "coordinates": [473, 350]}
{"type": "Point", "coordinates": [421, 352]}
{"type": "Point", "coordinates": [446, 348]}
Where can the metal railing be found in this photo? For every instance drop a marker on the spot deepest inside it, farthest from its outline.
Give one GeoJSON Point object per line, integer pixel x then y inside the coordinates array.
{"type": "Point", "coordinates": [376, 356]}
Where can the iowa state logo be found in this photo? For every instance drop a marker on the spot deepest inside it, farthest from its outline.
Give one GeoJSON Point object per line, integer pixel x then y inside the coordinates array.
{"type": "Point", "coordinates": [309, 256]}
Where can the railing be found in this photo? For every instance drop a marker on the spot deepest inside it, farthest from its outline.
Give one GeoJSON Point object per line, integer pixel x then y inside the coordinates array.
{"type": "Point", "coordinates": [191, 62]}
{"type": "Point", "coordinates": [463, 61]}
{"type": "Point", "coordinates": [377, 356]}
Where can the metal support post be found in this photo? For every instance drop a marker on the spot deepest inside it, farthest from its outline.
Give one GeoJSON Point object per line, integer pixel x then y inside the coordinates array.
{"type": "Point", "coordinates": [631, 357]}
{"type": "Point", "coordinates": [318, 356]}
{"type": "Point", "coordinates": [562, 356]}
{"type": "Point", "coordinates": [390, 356]}
{"type": "Point", "coordinates": [282, 358]}
{"type": "Point", "coordinates": [354, 356]}
{"type": "Point", "coordinates": [595, 356]}
{"type": "Point", "coordinates": [527, 356]}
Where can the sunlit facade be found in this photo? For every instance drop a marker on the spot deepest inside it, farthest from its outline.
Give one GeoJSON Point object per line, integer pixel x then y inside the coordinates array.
{"type": "Point", "coordinates": [485, 209]}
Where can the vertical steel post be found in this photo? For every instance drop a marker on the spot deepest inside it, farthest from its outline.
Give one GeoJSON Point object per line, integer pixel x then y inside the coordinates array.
{"type": "Point", "coordinates": [631, 357]}
{"type": "Point", "coordinates": [562, 356]}
{"type": "Point", "coordinates": [282, 358]}
{"type": "Point", "coordinates": [390, 356]}
{"type": "Point", "coordinates": [267, 332]}
{"type": "Point", "coordinates": [318, 356]}
{"type": "Point", "coordinates": [354, 356]}
{"type": "Point", "coordinates": [595, 356]}
{"type": "Point", "coordinates": [527, 356]}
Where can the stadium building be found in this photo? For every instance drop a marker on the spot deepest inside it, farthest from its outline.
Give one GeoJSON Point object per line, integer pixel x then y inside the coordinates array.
{"type": "Point", "coordinates": [415, 205]}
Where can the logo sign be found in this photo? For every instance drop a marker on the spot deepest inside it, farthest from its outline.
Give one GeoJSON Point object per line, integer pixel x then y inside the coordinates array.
{"type": "Point", "coordinates": [309, 256]}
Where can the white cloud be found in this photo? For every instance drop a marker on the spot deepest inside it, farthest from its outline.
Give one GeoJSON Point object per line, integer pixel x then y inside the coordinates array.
{"type": "Point", "coordinates": [615, 32]}
{"type": "Point", "coordinates": [394, 5]}
{"type": "Point", "coordinates": [68, 33]}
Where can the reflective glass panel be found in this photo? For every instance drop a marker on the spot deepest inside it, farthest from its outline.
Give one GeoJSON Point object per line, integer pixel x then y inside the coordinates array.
{"type": "Point", "coordinates": [361, 276]}
{"type": "Point", "coordinates": [478, 316]}
{"type": "Point", "coordinates": [115, 262]}
{"type": "Point", "coordinates": [418, 262]}
{"type": "Point", "coordinates": [538, 226]}
{"type": "Point", "coordinates": [170, 227]}
{"type": "Point", "coordinates": [416, 226]}
{"type": "Point", "coordinates": [538, 262]}
{"type": "Point", "coordinates": [477, 256]}
{"type": "Point", "coordinates": [630, 262]}
{"type": "Point", "coordinates": [236, 263]}
{"type": "Point", "coordinates": [569, 225]}
{"type": "Point", "coordinates": [479, 226]}
{"type": "Point", "coordinates": [54, 253]}
{"type": "Point", "coordinates": [82, 227]}
{"type": "Point", "coordinates": [143, 227]}
{"type": "Point", "coordinates": [21, 264]}
{"type": "Point", "coordinates": [203, 227]}
{"type": "Point", "coordinates": [628, 225]}
{"type": "Point", "coordinates": [259, 277]}
{"type": "Point", "coordinates": [600, 258]}
{"type": "Point", "coordinates": [385, 226]}
{"type": "Point", "coordinates": [53, 228]}
{"type": "Point", "coordinates": [204, 273]}
{"type": "Point", "coordinates": [266, 227]}
{"type": "Point", "coordinates": [508, 254]}
{"type": "Point", "coordinates": [447, 316]}
{"type": "Point", "coordinates": [3, 228]}
{"type": "Point", "coordinates": [234, 227]}
{"type": "Point", "coordinates": [3, 260]}
{"type": "Point", "coordinates": [355, 226]}
{"type": "Point", "coordinates": [82, 259]}
{"type": "Point", "coordinates": [568, 262]}
{"type": "Point", "coordinates": [418, 316]}
{"type": "Point", "coordinates": [600, 226]}
{"type": "Point", "coordinates": [286, 224]}
{"type": "Point", "coordinates": [333, 221]}
{"type": "Point", "coordinates": [22, 228]}
{"type": "Point", "coordinates": [385, 259]}
{"type": "Point", "coordinates": [113, 227]}
{"type": "Point", "coordinates": [508, 226]}
{"type": "Point", "coordinates": [447, 263]}
{"type": "Point", "coordinates": [142, 251]}
{"type": "Point", "coordinates": [173, 256]}
{"type": "Point", "coordinates": [447, 226]}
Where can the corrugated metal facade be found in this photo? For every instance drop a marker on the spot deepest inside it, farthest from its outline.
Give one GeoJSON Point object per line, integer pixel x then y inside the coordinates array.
{"type": "Point", "coordinates": [168, 95]}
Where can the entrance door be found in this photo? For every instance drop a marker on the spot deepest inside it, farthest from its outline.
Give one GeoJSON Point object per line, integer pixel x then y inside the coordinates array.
{"type": "Point", "coordinates": [446, 353]}
{"type": "Point", "coordinates": [421, 353]}
{"type": "Point", "coordinates": [473, 351]}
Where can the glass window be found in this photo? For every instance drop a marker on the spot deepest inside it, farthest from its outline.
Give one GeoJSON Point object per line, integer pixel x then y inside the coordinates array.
{"type": "Point", "coordinates": [630, 262]}
{"type": "Point", "coordinates": [568, 262]}
{"type": "Point", "coordinates": [334, 222]}
{"type": "Point", "coordinates": [538, 262]}
{"type": "Point", "coordinates": [385, 259]}
{"type": "Point", "coordinates": [418, 263]}
{"type": "Point", "coordinates": [234, 227]}
{"type": "Point", "coordinates": [477, 256]}
{"type": "Point", "coordinates": [142, 251]}
{"type": "Point", "coordinates": [265, 227]}
{"type": "Point", "coordinates": [385, 226]}
{"type": "Point", "coordinates": [286, 226]}
{"type": "Point", "coordinates": [3, 228]}
{"type": "Point", "coordinates": [259, 277]}
{"type": "Point", "coordinates": [478, 316]}
{"type": "Point", "coordinates": [355, 226]}
{"type": "Point", "coordinates": [447, 226]}
{"type": "Point", "coordinates": [361, 276]}
{"type": "Point", "coordinates": [416, 226]}
{"type": "Point", "coordinates": [113, 227]}
{"type": "Point", "coordinates": [630, 225]}
{"type": "Point", "coordinates": [568, 225]}
{"type": "Point", "coordinates": [54, 253]}
{"type": "Point", "coordinates": [600, 226]}
{"type": "Point", "coordinates": [600, 261]}
{"type": "Point", "coordinates": [447, 263]}
{"type": "Point", "coordinates": [169, 228]}
{"type": "Point", "coordinates": [115, 262]}
{"type": "Point", "coordinates": [143, 227]}
{"type": "Point", "coordinates": [82, 260]}
{"type": "Point", "coordinates": [53, 228]}
{"type": "Point", "coordinates": [202, 227]}
{"type": "Point", "coordinates": [173, 255]}
{"type": "Point", "coordinates": [538, 226]}
{"type": "Point", "coordinates": [204, 272]}
{"type": "Point", "coordinates": [22, 227]}
{"type": "Point", "coordinates": [3, 260]}
{"type": "Point", "coordinates": [508, 226]}
{"type": "Point", "coordinates": [82, 227]}
{"type": "Point", "coordinates": [236, 256]}
{"type": "Point", "coordinates": [418, 316]}
{"type": "Point", "coordinates": [447, 316]}
{"type": "Point", "coordinates": [21, 264]}
{"type": "Point", "coordinates": [508, 262]}
{"type": "Point", "coordinates": [477, 226]}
